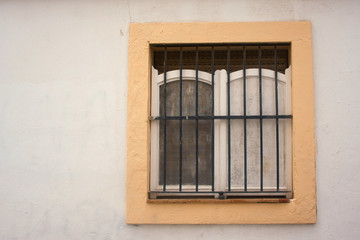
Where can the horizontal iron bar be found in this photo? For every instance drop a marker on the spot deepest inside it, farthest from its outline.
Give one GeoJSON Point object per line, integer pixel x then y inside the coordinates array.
{"type": "Point", "coordinates": [220, 192]}
{"type": "Point", "coordinates": [219, 195]}
{"type": "Point", "coordinates": [216, 44]}
{"type": "Point", "coordinates": [220, 117]}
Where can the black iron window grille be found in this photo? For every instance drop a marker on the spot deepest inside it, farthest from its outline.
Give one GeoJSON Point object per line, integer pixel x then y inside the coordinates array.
{"type": "Point", "coordinates": [221, 121]}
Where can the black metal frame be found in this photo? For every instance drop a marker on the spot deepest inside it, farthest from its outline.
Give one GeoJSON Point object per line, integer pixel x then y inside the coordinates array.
{"type": "Point", "coordinates": [278, 193]}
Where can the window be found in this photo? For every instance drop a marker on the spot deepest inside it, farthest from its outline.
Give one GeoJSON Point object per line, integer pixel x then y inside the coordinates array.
{"type": "Point", "coordinates": [215, 139]}
{"type": "Point", "coordinates": [144, 210]}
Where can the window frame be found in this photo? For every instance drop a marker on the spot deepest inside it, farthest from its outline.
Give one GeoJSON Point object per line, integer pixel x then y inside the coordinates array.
{"type": "Point", "coordinates": [141, 210]}
{"type": "Point", "coordinates": [220, 132]}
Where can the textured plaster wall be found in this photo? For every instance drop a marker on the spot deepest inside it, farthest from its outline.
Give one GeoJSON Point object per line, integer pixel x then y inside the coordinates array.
{"type": "Point", "coordinates": [63, 98]}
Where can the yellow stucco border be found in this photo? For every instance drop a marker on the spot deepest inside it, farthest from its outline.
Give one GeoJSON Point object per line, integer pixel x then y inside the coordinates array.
{"type": "Point", "coordinates": [301, 209]}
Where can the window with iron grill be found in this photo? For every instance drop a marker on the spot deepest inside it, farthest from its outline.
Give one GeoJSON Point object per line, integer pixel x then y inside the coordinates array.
{"type": "Point", "coordinates": [210, 138]}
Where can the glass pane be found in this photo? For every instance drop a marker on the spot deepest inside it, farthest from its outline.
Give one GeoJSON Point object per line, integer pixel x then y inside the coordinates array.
{"type": "Point", "coordinates": [237, 153]}
{"type": "Point", "coordinates": [252, 95]}
{"type": "Point", "coordinates": [253, 154]}
{"type": "Point", "coordinates": [268, 94]}
{"type": "Point", "coordinates": [253, 149]}
{"type": "Point", "coordinates": [269, 158]}
{"type": "Point", "coordinates": [188, 134]}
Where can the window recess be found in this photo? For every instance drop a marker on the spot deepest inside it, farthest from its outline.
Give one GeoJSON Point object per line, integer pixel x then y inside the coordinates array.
{"type": "Point", "coordinates": [221, 121]}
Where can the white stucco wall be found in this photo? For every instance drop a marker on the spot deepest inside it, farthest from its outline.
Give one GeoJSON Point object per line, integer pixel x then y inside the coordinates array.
{"type": "Point", "coordinates": [63, 100]}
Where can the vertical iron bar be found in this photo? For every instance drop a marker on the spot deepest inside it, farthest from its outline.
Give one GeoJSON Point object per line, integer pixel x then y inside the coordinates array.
{"type": "Point", "coordinates": [228, 113]}
{"type": "Point", "coordinates": [245, 137]}
{"type": "Point", "coordinates": [261, 127]}
{"type": "Point", "coordinates": [197, 120]}
{"type": "Point", "coordinates": [165, 62]}
{"type": "Point", "coordinates": [277, 122]}
{"type": "Point", "coordinates": [212, 122]}
{"type": "Point", "coordinates": [180, 112]}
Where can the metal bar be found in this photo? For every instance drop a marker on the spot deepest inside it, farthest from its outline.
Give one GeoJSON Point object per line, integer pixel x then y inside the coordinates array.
{"type": "Point", "coordinates": [217, 44]}
{"type": "Point", "coordinates": [165, 62]}
{"type": "Point", "coordinates": [238, 192]}
{"type": "Point", "coordinates": [245, 137]}
{"type": "Point", "coordinates": [222, 117]}
{"type": "Point", "coordinates": [212, 122]}
{"type": "Point", "coordinates": [277, 121]}
{"type": "Point", "coordinates": [197, 119]}
{"type": "Point", "coordinates": [228, 114]}
{"type": "Point", "coordinates": [261, 126]}
{"type": "Point", "coordinates": [180, 112]}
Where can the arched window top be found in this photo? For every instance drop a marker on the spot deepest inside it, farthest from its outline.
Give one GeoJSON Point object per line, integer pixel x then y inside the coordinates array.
{"type": "Point", "coordinates": [205, 77]}
{"type": "Point", "coordinates": [254, 72]}
{"type": "Point", "coordinates": [187, 74]}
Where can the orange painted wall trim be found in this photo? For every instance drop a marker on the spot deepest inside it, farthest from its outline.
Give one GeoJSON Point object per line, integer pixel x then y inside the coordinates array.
{"type": "Point", "coordinates": [302, 208]}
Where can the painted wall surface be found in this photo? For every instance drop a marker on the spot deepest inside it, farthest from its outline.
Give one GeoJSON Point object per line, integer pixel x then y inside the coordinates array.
{"type": "Point", "coordinates": [63, 105]}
